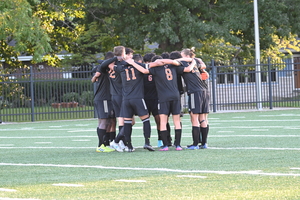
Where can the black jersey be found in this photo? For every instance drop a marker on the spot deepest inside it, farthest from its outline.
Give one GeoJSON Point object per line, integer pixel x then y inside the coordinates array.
{"type": "Point", "coordinates": [192, 80]}
{"type": "Point", "coordinates": [149, 87]}
{"type": "Point", "coordinates": [115, 82]}
{"type": "Point", "coordinates": [102, 87]}
{"type": "Point", "coordinates": [114, 78]}
{"type": "Point", "coordinates": [132, 81]}
{"type": "Point", "coordinates": [166, 82]}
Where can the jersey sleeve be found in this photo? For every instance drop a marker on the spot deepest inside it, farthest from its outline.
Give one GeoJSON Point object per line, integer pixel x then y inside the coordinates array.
{"type": "Point", "coordinates": [104, 65]}
{"type": "Point", "coordinates": [152, 71]}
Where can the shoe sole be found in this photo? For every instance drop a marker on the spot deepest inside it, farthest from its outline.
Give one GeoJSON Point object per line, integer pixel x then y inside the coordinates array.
{"type": "Point", "coordinates": [149, 148]}
{"type": "Point", "coordinates": [164, 150]}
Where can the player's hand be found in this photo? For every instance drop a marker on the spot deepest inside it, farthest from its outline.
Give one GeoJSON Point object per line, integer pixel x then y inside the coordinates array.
{"type": "Point", "coordinates": [129, 61]}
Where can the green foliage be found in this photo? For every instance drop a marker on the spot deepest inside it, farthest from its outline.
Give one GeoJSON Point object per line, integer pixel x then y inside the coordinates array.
{"type": "Point", "coordinates": [70, 97]}
{"type": "Point", "coordinates": [21, 32]}
{"type": "Point", "coordinates": [87, 98]}
{"type": "Point", "coordinates": [223, 30]}
{"type": "Point", "coordinates": [37, 28]}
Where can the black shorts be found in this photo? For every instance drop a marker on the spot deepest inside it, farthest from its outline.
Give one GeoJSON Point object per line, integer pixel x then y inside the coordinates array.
{"type": "Point", "coordinates": [198, 102]}
{"type": "Point", "coordinates": [152, 106]}
{"type": "Point", "coordinates": [104, 109]}
{"type": "Point", "coordinates": [169, 107]}
{"type": "Point", "coordinates": [117, 102]}
{"type": "Point", "coordinates": [131, 107]}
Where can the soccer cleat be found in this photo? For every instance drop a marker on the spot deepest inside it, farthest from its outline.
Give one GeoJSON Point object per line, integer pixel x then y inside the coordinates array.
{"type": "Point", "coordinates": [129, 150]}
{"type": "Point", "coordinates": [149, 147]}
{"type": "Point", "coordinates": [191, 147]}
{"type": "Point", "coordinates": [165, 148]}
{"type": "Point", "coordinates": [178, 148]}
{"type": "Point", "coordinates": [205, 146]}
{"type": "Point", "coordinates": [121, 144]}
{"type": "Point", "coordinates": [104, 149]}
{"type": "Point", "coordinates": [116, 146]}
{"type": "Point", "coordinates": [159, 143]}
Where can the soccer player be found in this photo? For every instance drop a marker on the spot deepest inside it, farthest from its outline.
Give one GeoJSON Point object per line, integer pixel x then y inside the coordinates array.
{"type": "Point", "coordinates": [165, 75]}
{"type": "Point", "coordinates": [197, 90]}
{"type": "Point", "coordinates": [103, 105]}
{"type": "Point", "coordinates": [150, 96]}
{"type": "Point", "coordinates": [133, 102]}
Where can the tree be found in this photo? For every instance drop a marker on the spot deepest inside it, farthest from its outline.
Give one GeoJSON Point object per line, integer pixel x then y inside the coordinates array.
{"type": "Point", "coordinates": [176, 24]}
{"type": "Point", "coordinates": [38, 28]}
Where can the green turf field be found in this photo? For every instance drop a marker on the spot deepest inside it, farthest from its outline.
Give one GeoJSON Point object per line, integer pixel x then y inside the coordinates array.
{"type": "Point", "coordinates": [251, 155]}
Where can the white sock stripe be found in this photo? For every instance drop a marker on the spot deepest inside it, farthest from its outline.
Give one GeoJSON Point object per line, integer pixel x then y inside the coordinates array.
{"type": "Point", "coordinates": [144, 120]}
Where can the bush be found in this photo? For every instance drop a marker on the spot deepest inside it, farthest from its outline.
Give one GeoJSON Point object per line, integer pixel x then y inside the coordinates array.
{"type": "Point", "coordinates": [71, 97]}
{"type": "Point", "coordinates": [87, 98]}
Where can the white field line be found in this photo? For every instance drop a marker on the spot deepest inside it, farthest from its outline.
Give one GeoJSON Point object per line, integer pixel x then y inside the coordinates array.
{"type": "Point", "coordinates": [281, 115]}
{"type": "Point", "coordinates": [141, 147]}
{"type": "Point", "coordinates": [7, 190]}
{"type": "Point", "coordinates": [6, 198]}
{"type": "Point", "coordinates": [191, 176]}
{"type": "Point", "coordinates": [139, 136]}
{"type": "Point", "coordinates": [43, 142]}
{"type": "Point", "coordinates": [256, 172]}
{"type": "Point", "coordinates": [68, 185]}
{"type": "Point", "coordinates": [131, 181]}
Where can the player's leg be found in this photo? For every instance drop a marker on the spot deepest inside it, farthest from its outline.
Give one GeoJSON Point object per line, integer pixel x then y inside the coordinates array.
{"type": "Point", "coordinates": [178, 131]}
{"type": "Point", "coordinates": [203, 130]}
{"type": "Point", "coordinates": [101, 132]}
{"type": "Point", "coordinates": [140, 108]}
{"type": "Point", "coordinates": [175, 109]}
{"type": "Point", "coordinates": [195, 131]}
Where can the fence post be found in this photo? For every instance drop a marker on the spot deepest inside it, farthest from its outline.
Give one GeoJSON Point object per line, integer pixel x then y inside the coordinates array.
{"type": "Point", "coordinates": [270, 84]}
{"type": "Point", "coordinates": [214, 85]}
{"type": "Point", "coordinates": [32, 93]}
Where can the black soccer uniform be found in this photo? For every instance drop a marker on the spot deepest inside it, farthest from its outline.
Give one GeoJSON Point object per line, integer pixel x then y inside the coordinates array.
{"type": "Point", "coordinates": [115, 85]}
{"type": "Point", "coordinates": [133, 91]}
{"type": "Point", "coordinates": [195, 90]}
{"type": "Point", "coordinates": [150, 94]}
{"type": "Point", "coordinates": [102, 97]}
{"type": "Point", "coordinates": [167, 89]}
{"type": "Point", "coordinates": [168, 96]}
{"type": "Point", "coordinates": [133, 100]}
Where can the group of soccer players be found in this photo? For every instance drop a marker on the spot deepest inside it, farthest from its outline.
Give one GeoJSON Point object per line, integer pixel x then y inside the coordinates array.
{"type": "Point", "coordinates": [129, 85]}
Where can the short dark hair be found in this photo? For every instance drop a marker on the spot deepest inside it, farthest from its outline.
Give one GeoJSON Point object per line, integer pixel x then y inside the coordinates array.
{"type": "Point", "coordinates": [137, 58]}
{"type": "Point", "coordinates": [165, 55]}
{"type": "Point", "coordinates": [108, 55]}
{"type": "Point", "coordinates": [154, 58]}
{"type": "Point", "coordinates": [148, 57]}
{"type": "Point", "coordinates": [175, 54]}
{"type": "Point", "coordinates": [128, 51]}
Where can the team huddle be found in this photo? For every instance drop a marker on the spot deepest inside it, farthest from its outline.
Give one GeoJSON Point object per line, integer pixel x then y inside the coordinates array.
{"type": "Point", "coordinates": [129, 85]}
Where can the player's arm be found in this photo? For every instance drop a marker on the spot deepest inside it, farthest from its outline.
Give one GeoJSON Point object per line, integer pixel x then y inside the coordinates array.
{"type": "Point", "coordinates": [190, 67]}
{"type": "Point", "coordinates": [95, 77]}
{"type": "Point", "coordinates": [137, 66]}
{"type": "Point", "coordinates": [202, 65]}
{"type": "Point", "coordinates": [105, 64]}
{"type": "Point", "coordinates": [161, 62]}
{"type": "Point", "coordinates": [185, 59]}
